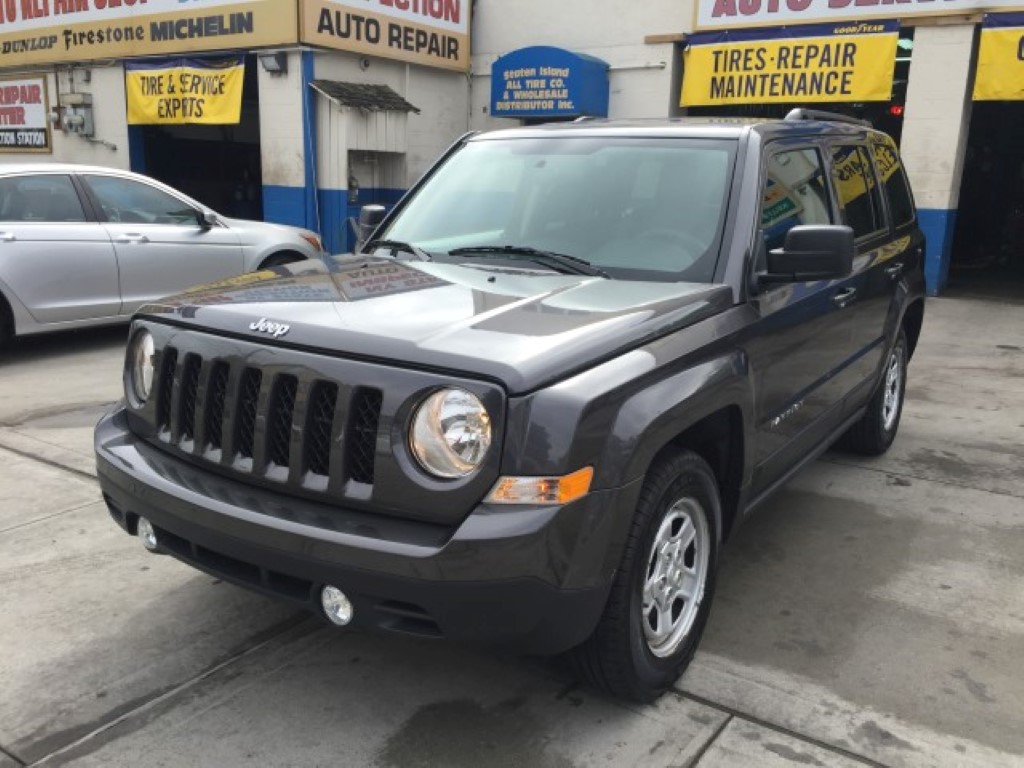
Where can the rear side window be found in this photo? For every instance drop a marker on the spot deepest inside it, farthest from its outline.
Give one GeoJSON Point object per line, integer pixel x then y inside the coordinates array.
{"type": "Point", "coordinates": [859, 199]}
{"type": "Point", "coordinates": [46, 198]}
{"type": "Point", "coordinates": [894, 181]}
{"type": "Point", "coordinates": [795, 192]}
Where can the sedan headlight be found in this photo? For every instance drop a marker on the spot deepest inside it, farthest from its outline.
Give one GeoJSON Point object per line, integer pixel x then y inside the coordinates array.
{"type": "Point", "coordinates": [450, 433]}
{"type": "Point", "coordinates": [140, 367]}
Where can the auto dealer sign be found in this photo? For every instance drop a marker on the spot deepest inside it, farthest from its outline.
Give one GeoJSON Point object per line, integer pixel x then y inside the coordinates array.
{"type": "Point", "coordinates": [24, 124]}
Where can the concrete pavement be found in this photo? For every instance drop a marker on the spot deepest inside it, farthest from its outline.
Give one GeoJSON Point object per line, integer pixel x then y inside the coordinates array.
{"type": "Point", "coordinates": [871, 614]}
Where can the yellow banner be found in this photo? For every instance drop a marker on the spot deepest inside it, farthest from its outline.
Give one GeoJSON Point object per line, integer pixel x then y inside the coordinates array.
{"type": "Point", "coordinates": [810, 64]}
{"type": "Point", "coordinates": [434, 33]}
{"type": "Point", "coordinates": [1000, 75]}
{"type": "Point", "coordinates": [185, 92]}
{"type": "Point", "coordinates": [53, 31]}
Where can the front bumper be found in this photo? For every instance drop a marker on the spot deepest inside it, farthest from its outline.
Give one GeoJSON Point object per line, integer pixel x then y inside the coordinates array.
{"type": "Point", "coordinates": [533, 578]}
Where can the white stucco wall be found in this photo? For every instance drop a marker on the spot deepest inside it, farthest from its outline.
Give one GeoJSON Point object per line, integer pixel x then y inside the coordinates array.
{"type": "Point", "coordinates": [641, 73]}
{"type": "Point", "coordinates": [281, 125]}
{"type": "Point", "coordinates": [106, 86]}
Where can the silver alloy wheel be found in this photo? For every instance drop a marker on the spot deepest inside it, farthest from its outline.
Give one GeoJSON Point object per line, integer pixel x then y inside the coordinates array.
{"type": "Point", "coordinates": [676, 575]}
{"type": "Point", "coordinates": [893, 388]}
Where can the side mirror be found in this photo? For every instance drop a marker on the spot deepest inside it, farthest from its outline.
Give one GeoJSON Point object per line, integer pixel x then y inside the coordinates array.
{"type": "Point", "coordinates": [811, 252]}
{"type": "Point", "coordinates": [370, 216]}
{"type": "Point", "coordinates": [206, 219]}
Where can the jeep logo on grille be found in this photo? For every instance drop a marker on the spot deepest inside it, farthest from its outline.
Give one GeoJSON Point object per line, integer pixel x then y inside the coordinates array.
{"type": "Point", "coordinates": [277, 330]}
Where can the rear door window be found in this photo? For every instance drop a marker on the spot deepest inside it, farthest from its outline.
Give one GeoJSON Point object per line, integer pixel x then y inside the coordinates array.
{"type": "Point", "coordinates": [860, 201]}
{"type": "Point", "coordinates": [894, 181]}
{"type": "Point", "coordinates": [44, 198]}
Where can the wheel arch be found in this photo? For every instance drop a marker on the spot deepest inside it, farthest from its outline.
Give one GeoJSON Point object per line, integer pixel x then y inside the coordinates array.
{"type": "Point", "coordinates": [283, 256]}
{"type": "Point", "coordinates": [912, 322]}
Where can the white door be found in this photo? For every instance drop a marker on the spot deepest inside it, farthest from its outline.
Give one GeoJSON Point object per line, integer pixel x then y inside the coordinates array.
{"type": "Point", "coordinates": [56, 262]}
{"type": "Point", "coordinates": [162, 248]}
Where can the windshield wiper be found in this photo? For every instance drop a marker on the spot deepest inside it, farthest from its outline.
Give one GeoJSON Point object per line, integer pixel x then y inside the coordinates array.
{"type": "Point", "coordinates": [567, 264]}
{"type": "Point", "coordinates": [398, 245]}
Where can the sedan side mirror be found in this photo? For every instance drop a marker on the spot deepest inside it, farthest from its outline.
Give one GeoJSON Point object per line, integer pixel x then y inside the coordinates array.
{"type": "Point", "coordinates": [206, 219]}
{"type": "Point", "coordinates": [811, 252]}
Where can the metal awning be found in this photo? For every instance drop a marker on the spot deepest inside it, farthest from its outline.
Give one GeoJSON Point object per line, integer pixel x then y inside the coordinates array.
{"type": "Point", "coordinates": [372, 98]}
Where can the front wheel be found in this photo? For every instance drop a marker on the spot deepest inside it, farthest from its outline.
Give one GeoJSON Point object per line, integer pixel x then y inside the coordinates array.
{"type": "Point", "coordinates": [661, 595]}
{"type": "Point", "coordinates": [874, 433]}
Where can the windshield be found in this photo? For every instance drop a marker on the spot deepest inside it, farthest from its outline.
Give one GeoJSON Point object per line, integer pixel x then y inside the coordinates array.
{"type": "Point", "coordinates": [635, 208]}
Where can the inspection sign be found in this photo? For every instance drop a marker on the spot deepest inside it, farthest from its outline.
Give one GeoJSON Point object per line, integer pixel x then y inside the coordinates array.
{"type": "Point", "coordinates": [807, 64]}
{"type": "Point", "coordinates": [24, 124]}
{"type": "Point", "coordinates": [434, 33]}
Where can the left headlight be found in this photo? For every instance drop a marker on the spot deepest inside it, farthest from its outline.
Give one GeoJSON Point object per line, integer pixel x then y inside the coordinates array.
{"type": "Point", "coordinates": [451, 433]}
{"type": "Point", "coordinates": [140, 367]}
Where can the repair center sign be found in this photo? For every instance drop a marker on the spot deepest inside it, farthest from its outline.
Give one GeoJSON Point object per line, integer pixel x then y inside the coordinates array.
{"type": "Point", "coordinates": [53, 31]}
{"type": "Point", "coordinates": [24, 123]}
{"type": "Point", "coordinates": [807, 64]}
{"type": "Point", "coordinates": [184, 91]}
{"type": "Point", "coordinates": [434, 33]}
{"type": "Point", "coordinates": [1000, 75]}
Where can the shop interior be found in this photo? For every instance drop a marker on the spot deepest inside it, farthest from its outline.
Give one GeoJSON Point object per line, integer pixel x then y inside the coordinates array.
{"type": "Point", "coordinates": [223, 168]}
{"type": "Point", "coordinates": [987, 255]}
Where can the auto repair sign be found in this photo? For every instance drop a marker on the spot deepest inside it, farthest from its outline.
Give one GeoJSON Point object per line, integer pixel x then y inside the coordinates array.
{"type": "Point", "coordinates": [24, 126]}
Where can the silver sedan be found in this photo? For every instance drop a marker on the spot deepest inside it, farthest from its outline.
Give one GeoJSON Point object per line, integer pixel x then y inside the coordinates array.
{"type": "Point", "coordinates": [84, 246]}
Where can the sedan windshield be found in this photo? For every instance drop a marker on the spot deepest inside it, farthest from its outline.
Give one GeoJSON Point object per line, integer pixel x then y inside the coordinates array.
{"type": "Point", "coordinates": [632, 208]}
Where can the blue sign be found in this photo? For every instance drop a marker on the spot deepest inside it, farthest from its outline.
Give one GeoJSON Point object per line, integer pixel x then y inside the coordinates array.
{"type": "Point", "coordinates": [549, 82]}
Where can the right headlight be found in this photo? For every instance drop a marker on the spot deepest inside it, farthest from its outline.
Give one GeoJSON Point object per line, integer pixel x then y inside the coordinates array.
{"type": "Point", "coordinates": [140, 367]}
{"type": "Point", "coordinates": [451, 433]}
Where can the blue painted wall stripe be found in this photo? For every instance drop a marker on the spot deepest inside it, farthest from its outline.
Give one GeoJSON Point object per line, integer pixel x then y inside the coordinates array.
{"type": "Point", "coordinates": [309, 139]}
{"type": "Point", "coordinates": [938, 225]}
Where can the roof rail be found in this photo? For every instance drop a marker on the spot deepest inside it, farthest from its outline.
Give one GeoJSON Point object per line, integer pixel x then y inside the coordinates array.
{"type": "Point", "coordinates": [816, 114]}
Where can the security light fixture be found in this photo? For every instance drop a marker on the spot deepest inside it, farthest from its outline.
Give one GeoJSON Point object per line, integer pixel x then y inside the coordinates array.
{"type": "Point", "coordinates": [274, 62]}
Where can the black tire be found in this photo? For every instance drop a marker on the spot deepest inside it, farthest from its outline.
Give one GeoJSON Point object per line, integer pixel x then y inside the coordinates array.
{"type": "Point", "coordinates": [618, 657]}
{"type": "Point", "coordinates": [279, 260]}
{"type": "Point", "coordinates": [874, 433]}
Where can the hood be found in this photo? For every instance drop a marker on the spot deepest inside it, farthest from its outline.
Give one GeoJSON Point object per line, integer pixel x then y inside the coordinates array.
{"type": "Point", "coordinates": [524, 329]}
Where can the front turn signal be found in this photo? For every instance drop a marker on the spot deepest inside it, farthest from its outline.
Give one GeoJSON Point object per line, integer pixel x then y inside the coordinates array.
{"type": "Point", "coordinates": [542, 490]}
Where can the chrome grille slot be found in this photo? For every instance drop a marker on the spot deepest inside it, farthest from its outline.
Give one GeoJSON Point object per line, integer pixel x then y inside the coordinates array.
{"type": "Point", "coordinates": [323, 401]}
{"type": "Point", "coordinates": [168, 364]}
{"type": "Point", "coordinates": [248, 402]}
{"type": "Point", "coordinates": [279, 419]}
{"type": "Point", "coordinates": [215, 400]}
{"type": "Point", "coordinates": [361, 442]}
{"type": "Point", "coordinates": [189, 391]}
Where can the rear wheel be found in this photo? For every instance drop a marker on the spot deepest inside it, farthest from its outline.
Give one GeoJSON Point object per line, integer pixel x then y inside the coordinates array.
{"type": "Point", "coordinates": [662, 592]}
{"type": "Point", "coordinates": [874, 433]}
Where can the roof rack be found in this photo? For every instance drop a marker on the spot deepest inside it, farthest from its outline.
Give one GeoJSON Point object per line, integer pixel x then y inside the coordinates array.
{"type": "Point", "coordinates": [816, 114]}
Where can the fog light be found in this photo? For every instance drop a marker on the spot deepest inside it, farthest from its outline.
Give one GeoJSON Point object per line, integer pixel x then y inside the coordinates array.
{"type": "Point", "coordinates": [336, 605]}
{"type": "Point", "coordinates": [147, 535]}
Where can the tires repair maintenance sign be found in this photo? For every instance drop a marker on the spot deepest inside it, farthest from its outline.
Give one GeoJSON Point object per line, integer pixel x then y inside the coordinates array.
{"type": "Point", "coordinates": [53, 31]}
{"type": "Point", "coordinates": [434, 33]}
{"type": "Point", "coordinates": [806, 64]}
{"type": "Point", "coordinates": [24, 118]}
{"type": "Point", "coordinates": [184, 91]}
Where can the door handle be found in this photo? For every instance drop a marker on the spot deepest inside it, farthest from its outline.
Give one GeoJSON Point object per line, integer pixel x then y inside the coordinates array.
{"type": "Point", "coordinates": [132, 239]}
{"type": "Point", "coordinates": [895, 270]}
{"type": "Point", "coordinates": [7, 237]}
{"type": "Point", "coordinates": [844, 297]}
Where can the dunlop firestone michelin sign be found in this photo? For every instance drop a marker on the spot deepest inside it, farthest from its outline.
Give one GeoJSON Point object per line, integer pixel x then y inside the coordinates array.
{"type": "Point", "coordinates": [52, 31]}
{"type": "Point", "coordinates": [1000, 75]}
{"type": "Point", "coordinates": [24, 123]}
{"type": "Point", "coordinates": [806, 64]}
{"type": "Point", "coordinates": [434, 33]}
